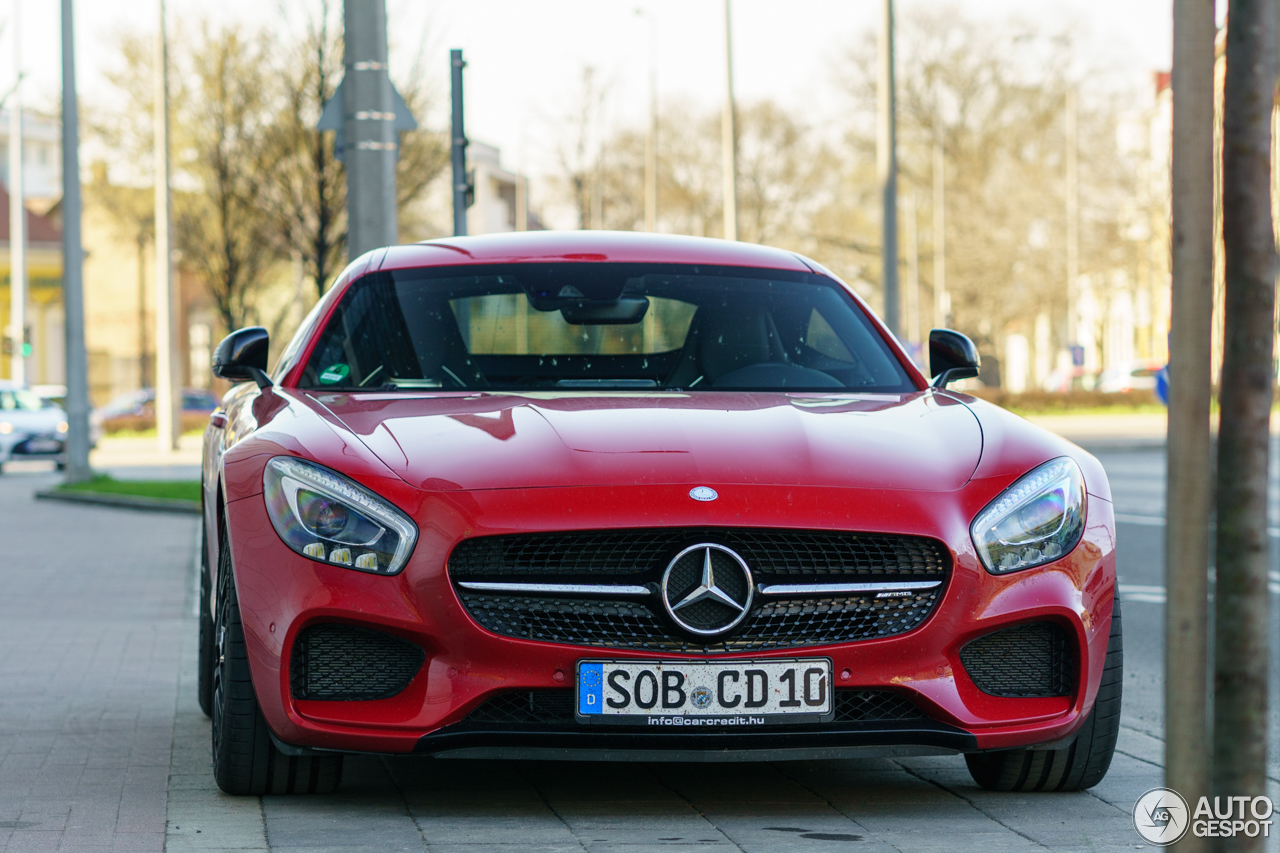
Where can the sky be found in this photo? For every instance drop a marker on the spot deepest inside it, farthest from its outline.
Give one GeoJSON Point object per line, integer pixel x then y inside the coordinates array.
{"type": "Point", "coordinates": [525, 59]}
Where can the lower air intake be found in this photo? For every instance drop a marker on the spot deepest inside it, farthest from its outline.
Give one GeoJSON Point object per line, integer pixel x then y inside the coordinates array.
{"type": "Point", "coordinates": [1026, 661]}
{"type": "Point", "coordinates": [552, 707]}
{"type": "Point", "coordinates": [345, 663]}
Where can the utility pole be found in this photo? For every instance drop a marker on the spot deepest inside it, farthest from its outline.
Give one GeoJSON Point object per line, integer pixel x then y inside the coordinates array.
{"type": "Point", "coordinates": [77, 400]}
{"type": "Point", "coordinates": [1189, 480]}
{"type": "Point", "coordinates": [1242, 602]}
{"type": "Point", "coordinates": [940, 297]}
{"type": "Point", "coordinates": [913, 272]}
{"type": "Point", "coordinates": [168, 396]}
{"type": "Point", "coordinates": [369, 128]}
{"type": "Point", "coordinates": [651, 137]}
{"type": "Point", "coordinates": [729, 135]}
{"type": "Point", "coordinates": [887, 171]}
{"type": "Point", "coordinates": [17, 218]}
{"type": "Point", "coordinates": [1071, 121]}
{"type": "Point", "coordinates": [458, 149]}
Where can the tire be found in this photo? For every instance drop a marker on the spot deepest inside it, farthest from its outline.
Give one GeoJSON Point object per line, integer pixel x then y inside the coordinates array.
{"type": "Point", "coordinates": [245, 761]}
{"type": "Point", "coordinates": [208, 652]}
{"type": "Point", "coordinates": [1073, 768]}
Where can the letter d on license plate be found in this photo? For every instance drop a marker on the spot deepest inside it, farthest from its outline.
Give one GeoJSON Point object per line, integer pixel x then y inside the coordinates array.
{"type": "Point", "coordinates": [701, 695]}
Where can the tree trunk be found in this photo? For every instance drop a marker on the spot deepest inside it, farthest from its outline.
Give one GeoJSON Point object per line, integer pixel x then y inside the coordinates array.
{"type": "Point", "coordinates": [1189, 499]}
{"type": "Point", "coordinates": [1243, 603]}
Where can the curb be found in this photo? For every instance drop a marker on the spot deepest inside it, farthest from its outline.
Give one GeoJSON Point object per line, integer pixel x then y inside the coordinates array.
{"type": "Point", "coordinates": [122, 501]}
{"type": "Point", "coordinates": [1118, 444]}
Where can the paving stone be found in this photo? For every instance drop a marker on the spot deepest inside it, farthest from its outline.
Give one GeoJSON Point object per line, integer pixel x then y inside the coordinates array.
{"type": "Point", "coordinates": [89, 638]}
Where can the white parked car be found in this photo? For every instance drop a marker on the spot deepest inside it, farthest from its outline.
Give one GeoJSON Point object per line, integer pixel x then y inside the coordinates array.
{"type": "Point", "coordinates": [30, 427]}
{"type": "Point", "coordinates": [1134, 376]}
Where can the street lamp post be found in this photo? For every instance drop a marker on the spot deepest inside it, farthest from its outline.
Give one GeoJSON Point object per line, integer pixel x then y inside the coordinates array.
{"type": "Point", "coordinates": [729, 136]}
{"type": "Point", "coordinates": [17, 218]}
{"type": "Point", "coordinates": [887, 171]}
{"type": "Point", "coordinates": [77, 400]}
{"type": "Point", "coordinates": [168, 399]}
{"type": "Point", "coordinates": [369, 128]}
{"type": "Point", "coordinates": [651, 137]}
{"type": "Point", "coordinates": [940, 297]}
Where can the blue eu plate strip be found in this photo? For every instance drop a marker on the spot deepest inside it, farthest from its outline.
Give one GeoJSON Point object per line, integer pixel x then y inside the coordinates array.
{"type": "Point", "coordinates": [590, 688]}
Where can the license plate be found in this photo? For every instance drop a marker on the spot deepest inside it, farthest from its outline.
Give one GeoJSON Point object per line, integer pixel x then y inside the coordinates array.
{"type": "Point", "coordinates": [704, 694]}
{"type": "Point", "coordinates": [43, 445]}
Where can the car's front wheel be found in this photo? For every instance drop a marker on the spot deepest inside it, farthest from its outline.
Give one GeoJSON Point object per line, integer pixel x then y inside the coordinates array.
{"type": "Point", "coordinates": [1078, 766]}
{"type": "Point", "coordinates": [245, 761]}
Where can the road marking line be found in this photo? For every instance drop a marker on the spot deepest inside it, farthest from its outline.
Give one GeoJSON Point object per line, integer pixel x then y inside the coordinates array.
{"type": "Point", "coordinates": [1158, 521]}
{"type": "Point", "coordinates": [1158, 595]}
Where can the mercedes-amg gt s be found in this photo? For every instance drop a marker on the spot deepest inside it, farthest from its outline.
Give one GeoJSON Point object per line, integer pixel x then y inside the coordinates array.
{"type": "Point", "coordinates": [629, 496]}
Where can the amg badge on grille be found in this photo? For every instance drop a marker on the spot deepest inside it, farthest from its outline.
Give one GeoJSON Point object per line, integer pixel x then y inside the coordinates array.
{"type": "Point", "coordinates": [703, 493]}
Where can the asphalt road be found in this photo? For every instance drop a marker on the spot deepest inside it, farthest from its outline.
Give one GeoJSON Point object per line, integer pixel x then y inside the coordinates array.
{"type": "Point", "coordinates": [102, 746]}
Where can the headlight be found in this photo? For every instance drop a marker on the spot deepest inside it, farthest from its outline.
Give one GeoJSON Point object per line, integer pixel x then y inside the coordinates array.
{"type": "Point", "coordinates": [1037, 520]}
{"type": "Point", "coordinates": [5, 427]}
{"type": "Point", "coordinates": [62, 426]}
{"type": "Point", "coordinates": [326, 517]}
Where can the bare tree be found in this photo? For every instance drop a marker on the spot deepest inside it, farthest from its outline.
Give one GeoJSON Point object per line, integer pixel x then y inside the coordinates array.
{"type": "Point", "coordinates": [306, 196]}
{"type": "Point", "coordinates": [581, 147]}
{"type": "Point", "coordinates": [1243, 604]}
{"type": "Point", "coordinates": [1189, 458]}
{"type": "Point", "coordinates": [993, 97]}
{"type": "Point", "coordinates": [223, 230]}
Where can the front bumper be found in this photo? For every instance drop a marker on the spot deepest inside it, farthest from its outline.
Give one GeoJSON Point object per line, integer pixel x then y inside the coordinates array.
{"type": "Point", "coordinates": [281, 594]}
{"type": "Point", "coordinates": [23, 445]}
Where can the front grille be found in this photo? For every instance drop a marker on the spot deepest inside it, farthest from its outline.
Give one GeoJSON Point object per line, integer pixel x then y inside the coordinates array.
{"type": "Point", "coordinates": [596, 553]}
{"type": "Point", "coordinates": [555, 707]}
{"type": "Point", "coordinates": [639, 558]}
{"type": "Point", "coordinates": [632, 625]}
{"type": "Point", "coordinates": [1032, 660]}
{"type": "Point", "coordinates": [345, 663]}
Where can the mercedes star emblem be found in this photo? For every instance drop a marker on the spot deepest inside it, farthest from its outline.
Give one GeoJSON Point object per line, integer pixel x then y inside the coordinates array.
{"type": "Point", "coordinates": [703, 493]}
{"type": "Point", "coordinates": [707, 589]}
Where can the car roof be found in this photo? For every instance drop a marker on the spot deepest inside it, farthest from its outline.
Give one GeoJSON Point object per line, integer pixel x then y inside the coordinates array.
{"type": "Point", "coordinates": [587, 246]}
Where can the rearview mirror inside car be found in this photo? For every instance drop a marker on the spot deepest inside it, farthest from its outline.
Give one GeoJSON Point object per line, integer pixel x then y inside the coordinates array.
{"type": "Point", "coordinates": [242, 356]}
{"type": "Point", "coordinates": [619, 313]}
{"type": "Point", "coordinates": [952, 356]}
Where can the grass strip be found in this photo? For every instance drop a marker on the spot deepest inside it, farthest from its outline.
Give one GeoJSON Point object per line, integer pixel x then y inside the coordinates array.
{"type": "Point", "coordinates": [174, 490]}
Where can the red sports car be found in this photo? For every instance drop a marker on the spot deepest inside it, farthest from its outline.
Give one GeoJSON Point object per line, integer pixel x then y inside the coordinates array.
{"type": "Point", "coordinates": [626, 496]}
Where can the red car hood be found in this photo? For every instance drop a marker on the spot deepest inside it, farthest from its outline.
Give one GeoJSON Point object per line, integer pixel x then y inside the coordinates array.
{"type": "Point", "coordinates": [918, 441]}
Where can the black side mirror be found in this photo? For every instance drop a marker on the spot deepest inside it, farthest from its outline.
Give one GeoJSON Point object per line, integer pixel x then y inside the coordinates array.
{"type": "Point", "coordinates": [952, 356]}
{"type": "Point", "coordinates": [242, 356]}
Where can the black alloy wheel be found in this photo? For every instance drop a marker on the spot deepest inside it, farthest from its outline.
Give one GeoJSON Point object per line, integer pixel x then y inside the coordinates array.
{"type": "Point", "coordinates": [245, 761]}
{"type": "Point", "coordinates": [1078, 766]}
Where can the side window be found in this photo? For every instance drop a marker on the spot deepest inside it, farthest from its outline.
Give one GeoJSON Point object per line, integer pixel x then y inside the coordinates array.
{"type": "Point", "coordinates": [821, 337]}
{"type": "Point", "coordinates": [7, 403]}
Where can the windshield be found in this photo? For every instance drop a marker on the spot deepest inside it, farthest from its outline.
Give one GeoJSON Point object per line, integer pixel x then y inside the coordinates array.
{"type": "Point", "coordinates": [523, 327]}
{"type": "Point", "coordinates": [20, 401]}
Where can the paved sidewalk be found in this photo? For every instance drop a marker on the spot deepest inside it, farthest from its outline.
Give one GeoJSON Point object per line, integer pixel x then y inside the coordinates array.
{"type": "Point", "coordinates": [91, 623]}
